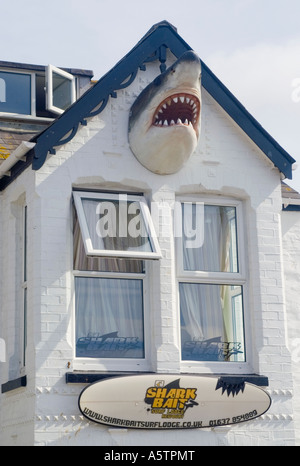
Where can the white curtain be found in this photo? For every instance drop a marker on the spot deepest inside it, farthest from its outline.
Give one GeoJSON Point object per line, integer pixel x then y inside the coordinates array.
{"type": "Point", "coordinates": [116, 225]}
{"type": "Point", "coordinates": [214, 254]}
{"type": "Point", "coordinates": [99, 264]}
{"type": "Point", "coordinates": [207, 310]}
{"type": "Point", "coordinates": [109, 317]}
{"type": "Point", "coordinates": [109, 311]}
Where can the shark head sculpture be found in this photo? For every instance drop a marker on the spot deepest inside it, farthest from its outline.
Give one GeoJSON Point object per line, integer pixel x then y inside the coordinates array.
{"type": "Point", "coordinates": [164, 121]}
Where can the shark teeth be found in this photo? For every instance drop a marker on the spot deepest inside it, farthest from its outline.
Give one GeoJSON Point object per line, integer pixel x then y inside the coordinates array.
{"type": "Point", "coordinates": [178, 109]}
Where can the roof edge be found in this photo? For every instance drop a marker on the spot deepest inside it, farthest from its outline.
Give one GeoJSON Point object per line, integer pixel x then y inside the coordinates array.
{"type": "Point", "coordinates": [42, 68]}
{"type": "Point", "coordinates": [152, 46]}
{"type": "Point", "coordinates": [269, 146]}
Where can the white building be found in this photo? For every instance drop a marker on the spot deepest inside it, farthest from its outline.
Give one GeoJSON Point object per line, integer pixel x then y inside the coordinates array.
{"type": "Point", "coordinates": [229, 309]}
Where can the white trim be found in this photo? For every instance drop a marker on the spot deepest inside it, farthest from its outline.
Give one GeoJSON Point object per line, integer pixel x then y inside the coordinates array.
{"type": "Point", "coordinates": [50, 69]}
{"type": "Point", "coordinates": [290, 201]}
{"type": "Point", "coordinates": [23, 116]}
{"type": "Point", "coordinates": [33, 95]}
{"type": "Point", "coordinates": [15, 156]}
{"type": "Point", "coordinates": [220, 278]}
{"type": "Point", "coordinates": [118, 364]}
{"type": "Point", "coordinates": [239, 277]}
{"type": "Point", "coordinates": [90, 251]}
{"type": "Point", "coordinates": [2, 350]}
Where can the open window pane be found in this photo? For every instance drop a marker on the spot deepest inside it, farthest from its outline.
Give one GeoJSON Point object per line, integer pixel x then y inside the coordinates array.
{"type": "Point", "coordinates": [217, 251]}
{"type": "Point", "coordinates": [15, 93]}
{"type": "Point", "coordinates": [83, 262]}
{"type": "Point", "coordinates": [109, 318]}
{"type": "Point", "coordinates": [116, 226]}
{"type": "Point", "coordinates": [60, 89]}
{"type": "Point", "coordinates": [212, 327]}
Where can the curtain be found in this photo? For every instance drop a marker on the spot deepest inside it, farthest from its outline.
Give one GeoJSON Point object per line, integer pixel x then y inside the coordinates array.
{"type": "Point", "coordinates": [218, 251]}
{"type": "Point", "coordinates": [109, 311]}
{"type": "Point", "coordinates": [109, 317]}
{"type": "Point", "coordinates": [99, 264]}
{"type": "Point", "coordinates": [208, 321]}
{"type": "Point", "coordinates": [116, 225]}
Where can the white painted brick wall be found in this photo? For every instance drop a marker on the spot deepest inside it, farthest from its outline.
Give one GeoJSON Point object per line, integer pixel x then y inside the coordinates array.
{"type": "Point", "coordinates": [225, 163]}
{"type": "Point", "coordinates": [291, 258]}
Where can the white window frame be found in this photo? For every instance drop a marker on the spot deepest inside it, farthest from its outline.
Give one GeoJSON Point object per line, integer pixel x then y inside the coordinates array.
{"type": "Point", "coordinates": [49, 87]}
{"type": "Point", "coordinates": [25, 281]}
{"type": "Point", "coordinates": [118, 364]}
{"type": "Point", "coordinates": [218, 278]}
{"type": "Point", "coordinates": [90, 251]}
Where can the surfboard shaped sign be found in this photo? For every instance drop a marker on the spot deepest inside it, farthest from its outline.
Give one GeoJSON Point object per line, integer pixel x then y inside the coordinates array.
{"type": "Point", "coordinates": [162, 401]}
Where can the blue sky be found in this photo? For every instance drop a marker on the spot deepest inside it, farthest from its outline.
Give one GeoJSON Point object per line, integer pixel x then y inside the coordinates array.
{"type": "Point", "coordinates": [253, 46]}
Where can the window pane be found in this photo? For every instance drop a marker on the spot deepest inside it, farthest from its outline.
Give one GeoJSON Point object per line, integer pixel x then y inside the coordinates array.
{"type": "Point", "coordinates": [218, 249]}
{"type": "Point", "coordinates": [116, 225]}
{"type": "Point", "coordinates": [100, 264]}
{"type": "Point", "coordinates": [212, 326]}
{"type": "Point", "coordinates": [15, 93]}
{"type": "Point", "coordinates": [62, 91]}
{"type": "Point", "coordinates": [109, 318]}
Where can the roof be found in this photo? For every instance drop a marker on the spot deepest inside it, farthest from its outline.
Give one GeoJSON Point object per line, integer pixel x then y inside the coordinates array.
{"type": "Point", "coordinates": [290, 198]}
{"type": "Point", "coordinates": [14, 132]}
{"type": "Point", "coordinates": [10, 140]}
{"type": "Point", "coordinates": [42, 68]}
{"type": "Point", "coordinates": [153, 46]}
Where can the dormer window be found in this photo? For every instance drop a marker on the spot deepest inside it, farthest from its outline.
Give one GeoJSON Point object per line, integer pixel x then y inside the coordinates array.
{"type": "Point", "coordinates": [40, 92]}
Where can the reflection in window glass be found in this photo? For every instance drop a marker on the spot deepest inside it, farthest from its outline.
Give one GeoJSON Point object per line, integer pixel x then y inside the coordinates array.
{"type": "Point", "coordinates": [212, 326]}
{"type": "Point", "coordinates": [109, 318]}
{"type": "Point", "coordinates": [15, 93]}
{"type": "Point", "coordinates": [84, 262]}
{"type": "Point", "coordinates": [116, 225]}
{"type": "Point", "coordinates": [62, 92]}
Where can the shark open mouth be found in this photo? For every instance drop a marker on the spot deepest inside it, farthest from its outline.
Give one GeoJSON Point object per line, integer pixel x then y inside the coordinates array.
{"type": "Point", "coordinates": [178, 109]}
{"type": "Point", "coordinates": [164, 119]}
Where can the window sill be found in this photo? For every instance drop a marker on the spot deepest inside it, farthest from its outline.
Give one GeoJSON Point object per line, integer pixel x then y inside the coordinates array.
{"type": "Point", "coordinates": [91, 377]}
{"type": "Point", "coordinates": [28, 118]}
{"type": "Point", "coordinates": [14, 384]}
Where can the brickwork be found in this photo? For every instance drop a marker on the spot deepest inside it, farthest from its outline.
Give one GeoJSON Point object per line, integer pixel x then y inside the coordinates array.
{"type": "Point", "coordinates": [226, 163]}
{"type": "Point", "coordinates": [291, 260]}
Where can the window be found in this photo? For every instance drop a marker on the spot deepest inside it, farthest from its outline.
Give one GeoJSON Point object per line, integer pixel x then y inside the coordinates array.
{"type": "Point", "coordinates": [211, 279]}
{"type": "Point", "coordinates": [113, 238]}
{"type": "Point", "coordinates": [15, 93]}
{"type": "Point", "coordinates": [116, 225]}
{"type": "Point", "coordinates": [36, 93]}
{"type": "Point", "coordinates": [60, 89]}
